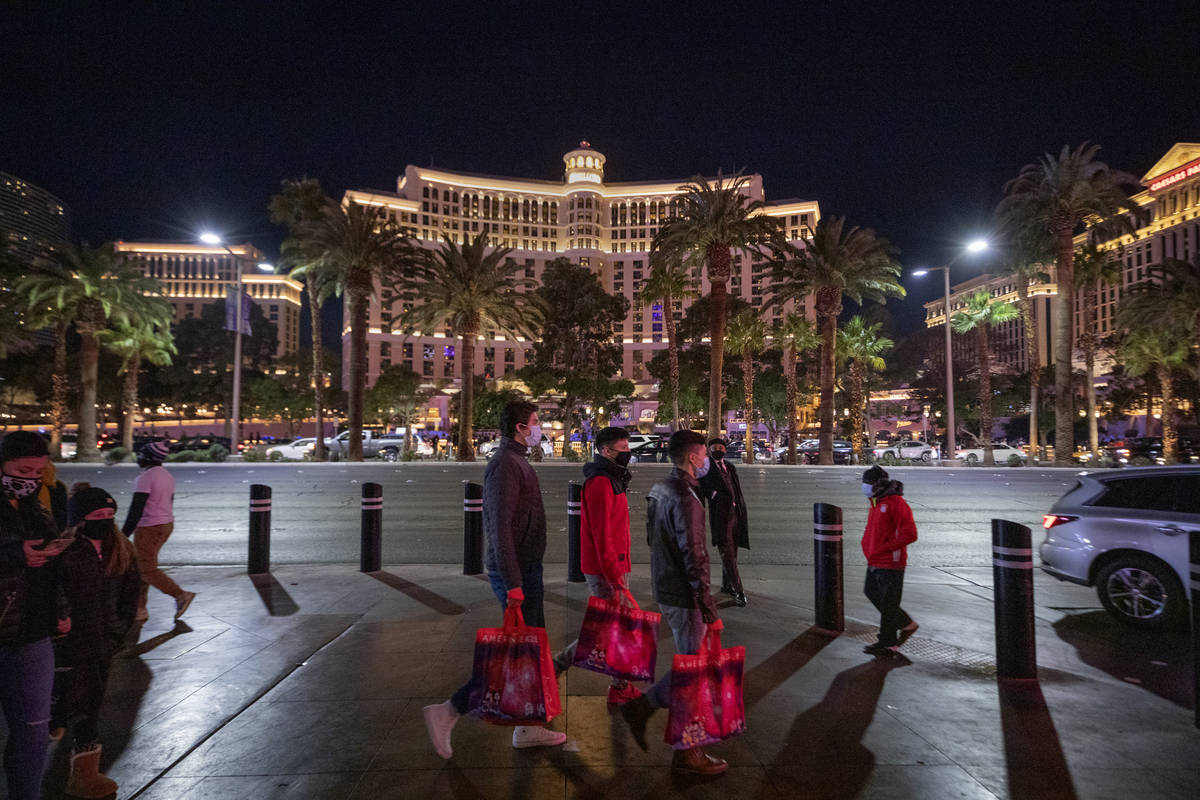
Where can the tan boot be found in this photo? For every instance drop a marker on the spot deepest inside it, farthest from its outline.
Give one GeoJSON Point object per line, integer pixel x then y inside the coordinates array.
{"type": "Point", "coordinates": [697, 762]}
{"type": "Point", "coordinates": [87, 781]}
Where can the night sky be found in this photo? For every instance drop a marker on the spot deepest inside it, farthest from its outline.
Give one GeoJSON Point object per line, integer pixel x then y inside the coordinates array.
{"type": "Point", "coordinates": [906, 117]}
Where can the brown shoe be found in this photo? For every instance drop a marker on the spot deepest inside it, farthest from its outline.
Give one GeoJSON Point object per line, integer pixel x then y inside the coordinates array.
{"type": "Point", "coordinates": [697, 762]}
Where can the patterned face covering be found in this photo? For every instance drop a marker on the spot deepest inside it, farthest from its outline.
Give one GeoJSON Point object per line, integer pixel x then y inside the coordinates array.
{"type": "Point", "coordinates": [20, 487]}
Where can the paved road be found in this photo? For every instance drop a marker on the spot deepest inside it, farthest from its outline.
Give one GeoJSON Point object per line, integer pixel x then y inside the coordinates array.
{"type": "Point", "coordinates": [316, 509]}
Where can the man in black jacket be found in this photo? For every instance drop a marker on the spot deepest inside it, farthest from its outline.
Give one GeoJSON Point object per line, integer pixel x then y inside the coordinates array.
{"type": "Point", "coordinates": [722, 491]}
{"type": "Point", "coordinates": [514, 523]}
{"type": "Point", "coordinates": [679, 574]}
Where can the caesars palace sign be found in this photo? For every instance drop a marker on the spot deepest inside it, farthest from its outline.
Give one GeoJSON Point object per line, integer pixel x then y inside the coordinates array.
{"type": "Point", "coordinates": [1175, 176]}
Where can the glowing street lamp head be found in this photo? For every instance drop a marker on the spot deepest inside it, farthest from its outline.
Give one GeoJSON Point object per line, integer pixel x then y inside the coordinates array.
{"type": "Point", "coordinates": [208, 237]}
{"type": "Point", "coordinates": [920, 273]}
{"type": "Point", "coordinates": [265, 267]}
{"type": "Point", "coordinates": [977, 246]}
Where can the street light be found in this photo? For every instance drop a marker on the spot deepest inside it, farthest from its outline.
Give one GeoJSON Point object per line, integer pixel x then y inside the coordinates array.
{"type": "Point", "coordinates": [975, 246]}
{"type": "Point", "coordinates": [210, 238]}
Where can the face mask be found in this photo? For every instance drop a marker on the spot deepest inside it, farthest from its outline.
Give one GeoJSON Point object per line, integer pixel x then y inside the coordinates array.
{"type": "Point", "coordinates": [702, 470]}
{"type": "Point", "coordinates": [622, 458]}
{"type": "Point", "coordinates": [717, 455]}
{"type": "Point", "coordinates": [21, 487]}
{"type": "Point", "coordinates": [868, 490]}
{"type": "Point", "coordinates": [97, 528]}
{"type": "Point", "coordinates": [534, 439]}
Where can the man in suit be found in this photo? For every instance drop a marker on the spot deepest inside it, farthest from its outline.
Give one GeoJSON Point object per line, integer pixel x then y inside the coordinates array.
{"type": "Point", "coordinates": [721, 490]}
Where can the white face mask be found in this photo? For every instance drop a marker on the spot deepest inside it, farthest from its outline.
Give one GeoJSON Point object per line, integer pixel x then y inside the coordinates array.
{"type": "Point", "coordinates": [868, 490]}
{"type": "Point", "coordinates": [534, 437]}
{"type": "Point", "coordinates": [702, 470]}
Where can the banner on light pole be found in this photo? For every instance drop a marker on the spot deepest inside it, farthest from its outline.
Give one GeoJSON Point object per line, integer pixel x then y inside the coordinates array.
{"type": "Point", "coordinates": [231, 301]}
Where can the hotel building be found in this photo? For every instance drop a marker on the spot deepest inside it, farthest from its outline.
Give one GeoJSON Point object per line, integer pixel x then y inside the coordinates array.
{"type": "Point", "coordinates": [34, 224]}
{"type": "Point", "coordinates": [195, 275]}
{"type": "Point", "coordinates": [605, 226]}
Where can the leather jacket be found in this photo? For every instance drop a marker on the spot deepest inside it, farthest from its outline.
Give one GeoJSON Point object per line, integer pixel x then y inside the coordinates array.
{"type": "Point", "coordinates": [678, 551]}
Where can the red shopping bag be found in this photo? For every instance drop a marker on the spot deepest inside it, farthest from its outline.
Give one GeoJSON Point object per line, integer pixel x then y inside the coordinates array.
{"type": "Point", "coordinates": [706, 694]}
{"type": "Point", "coordinates": [618, 640]}
{"type": "Point", "coordinates": [513, 681]}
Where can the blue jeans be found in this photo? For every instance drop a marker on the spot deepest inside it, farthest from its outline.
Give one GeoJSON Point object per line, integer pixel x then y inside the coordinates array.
{"type": "Point", "coordinates": [532, 609]}
{"type": "Point", "coordinates": [688, 628]}
{"type": "Point", "coordinates": [26, 677]}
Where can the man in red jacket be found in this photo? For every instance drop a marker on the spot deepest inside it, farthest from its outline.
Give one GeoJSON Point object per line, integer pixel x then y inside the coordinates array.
{"type": "Point", "coordinates": [890, 529]}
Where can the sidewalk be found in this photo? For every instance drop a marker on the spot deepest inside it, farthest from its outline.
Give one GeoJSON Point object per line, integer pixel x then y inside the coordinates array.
{"type": "Point", "coordinates": [310, 683]}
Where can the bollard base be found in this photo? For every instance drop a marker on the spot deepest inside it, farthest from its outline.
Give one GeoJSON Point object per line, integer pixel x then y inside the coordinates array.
{"type": "Point", "coordinates": [828, 632]}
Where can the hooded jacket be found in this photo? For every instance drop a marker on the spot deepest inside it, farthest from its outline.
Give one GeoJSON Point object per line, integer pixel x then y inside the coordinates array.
{"type": "Point", "coordinates": [678, 552]}
{"type": "Point", "coordinates": [890, 528]}
{"type": "Point", "coordinates": [27, 596]}
{"type": "Point", "coordinates": [514, 520]}
{"type": "Point", "coordinates": [604, 537]}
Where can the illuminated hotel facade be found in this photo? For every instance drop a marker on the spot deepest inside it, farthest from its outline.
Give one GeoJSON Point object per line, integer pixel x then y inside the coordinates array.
{"type": "Point", "coordinates": [34, 224]}
{"type": "Point", "coordinates": [196, 275]}
{"type": "Point", "coordinates": [607, 227]}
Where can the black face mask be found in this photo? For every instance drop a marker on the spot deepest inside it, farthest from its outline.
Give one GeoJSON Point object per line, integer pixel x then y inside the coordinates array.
{"type": "Point", "coordinates": [717, 455]}
{"type": "Point", "coordinates": [96, 529]}
{"type": "Point", "coordinates": [622, 458]}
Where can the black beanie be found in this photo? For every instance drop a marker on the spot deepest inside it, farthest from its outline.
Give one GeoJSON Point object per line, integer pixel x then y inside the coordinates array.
{"type": "Point", "coordinates": [874, 475]}
{"type": "Point", "coordinates": [23, 444]}
{"type": "Point", "coordinates": [87, 500]}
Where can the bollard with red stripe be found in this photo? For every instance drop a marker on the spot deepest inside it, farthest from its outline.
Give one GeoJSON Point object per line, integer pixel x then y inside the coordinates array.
{"type": "Point", "coordinates": [259, 559]}
{"type": "Point", "coordinates": [574, 526]}
{"type": "Point", "coordinates": [472, 528]}
{"type": "Point", "coordinates": [371, 557]}
{"type": "Point", "coordinates": [827, 556]}
{"type": "Point", "coordinates": [1012, 573]}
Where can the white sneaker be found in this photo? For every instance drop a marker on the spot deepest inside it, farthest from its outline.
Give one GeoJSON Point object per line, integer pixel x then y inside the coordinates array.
{"type": "Point", "coordinates": [439, 722]}
{"type": "Point", "coordinates": [532, 736]}
{"type": "Point", "coordinates": [181, 605]}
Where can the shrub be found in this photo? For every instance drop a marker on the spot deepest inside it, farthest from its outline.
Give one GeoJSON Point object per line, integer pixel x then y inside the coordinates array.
{"type": "Point", "coordinates": [571, 453]}
{"type": "Point", "coordinates": [1140, 461]}
{"type": "Point", "coordinates": [202, 456]}
{"type": "Point", "coordinates": [217, 453]}
{"type": "Point", "coordinates": [410, 455]}
{"type": "Point", "coordinates": [1107, 462]}
{"type": "Point", "coordinates": [253, 454]}
{"type": "Point", "coordinates": [889, 459]}
{"type": "Point", "coordinates": [182, 456]}
{"type": "Point", "coordinates": [275, 456]}
{"type": "Point", "coordinates": [117, 455]}
{"type": "Point", "coordinates": [1014, 460]}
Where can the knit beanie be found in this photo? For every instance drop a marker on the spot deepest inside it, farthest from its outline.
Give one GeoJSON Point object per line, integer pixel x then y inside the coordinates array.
{"type": "Point", "coordinates": [874, 475]}
{"type": "Point", "coordinates": [156, 452]}
{"type": "Point", "coordinates": [23, 444]}
{"type": "Point", "coordinates": [86, 500]}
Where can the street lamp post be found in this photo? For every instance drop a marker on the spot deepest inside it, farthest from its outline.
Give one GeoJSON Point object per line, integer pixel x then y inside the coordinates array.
{"type": "Point", "coordinates": [974, 247]}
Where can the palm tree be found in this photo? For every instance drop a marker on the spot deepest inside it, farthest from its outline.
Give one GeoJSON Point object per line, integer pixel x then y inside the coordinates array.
{"type": "Point", "coordinates": [352, 247]}
{"type": "Point", "coordinates": [1093, 267]}
{"type": "Point", "coordinates": [747, 336]}
{"type": "Point", "coordinates": [1055, 196]}
{"type": "Point", "coordinates": [862, 346]}
{"type": "Point", "coordinates": [1180, 281]}
{"type": "Point", "coordinates": [669, 282]}
{"type": "Point", "coordinates": [95, 287]}
{"type": "Point", "coordinates": [795, 335]}
{"type": "Point", "coordinates": [46, 315]}
{"type": "Point", "coordinates": [469, 289]}
{"type": "Point", "coordinates": [299, 201]}
{"type": "Point", "coordinates": [710, 221]}
{"type": "Point", "coordinates": [136, 343]}
{"type": "Point", "coordinates": [1163, 350]}
{"type": "Point", "coordinates": [979, 315]}
{"type": "Point", "coordinates": [836, 263]}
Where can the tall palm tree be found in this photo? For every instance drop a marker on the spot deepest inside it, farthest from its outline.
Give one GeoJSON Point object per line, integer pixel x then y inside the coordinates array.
{"type": "Point", "coordinates": [1055, 196]}
{"type": "Point", "coordinates": [746, 337]}
{"type": "Point", "coordinates": [353, 247]}
{"type": "Point", "coordinates": [836, 263]}
{"type": "Point", "coordinates": [667, 283]}
{"type": "Point", "coordinates": [1093, 268]}
{"type": "Point", "coordinates": [1180, 282]}
{"type": "Point", "coordinates": [1163, 350]}
{"type": "Point", "coordinates": [300, 201]}
{"type": "Point", "coordinates": [861, 346]}
{"type": "Point", "coordinates": [469, 288]}
{"type": "Point", "coordinates": [46, 315]}
{"type": "Point", "coordinates": [711, 220]}
{"type": "Point", "coordinates": [979, 315]}
{"type": "Point", "coordinates": [795, 335]}
{"type": "Point", "coordinates": [137, 343]}
{"type": "Point", "coordinates": [97, 287]}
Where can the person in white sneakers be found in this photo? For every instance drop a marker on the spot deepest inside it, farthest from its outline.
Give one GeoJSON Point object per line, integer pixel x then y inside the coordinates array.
{"type": "Point", "coordinates": [150, 520]}
{"type": "Point", "coordinates": [514, 522]}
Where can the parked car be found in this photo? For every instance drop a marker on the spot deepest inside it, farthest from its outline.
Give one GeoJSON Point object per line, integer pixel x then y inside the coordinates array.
{"type": "Point", "coordinates": [1000, 451]}
{"type": "Point", "coordinates": [301, 448]}
{"type": "Point", "coordinates": [199, 443]}
{"type": "Point", "coordinates": [810, 451]}
{"type": "Point", "coordinates": [384, 445]}
{"type": "Point", "coordinates": [1148, 450]}
{"type": "Point", "coordinates": [915, 450]}
{"type": "Point", "coordinates": [489, 448]}
{"type": "Point", "coordinates": [651, 452]}
{"type": "Point", "coordinates": [781, 453]}
{"type": "Point", "coordinates": [1126, 533]}
{"type": "Point", "coordinates": [736, 449]}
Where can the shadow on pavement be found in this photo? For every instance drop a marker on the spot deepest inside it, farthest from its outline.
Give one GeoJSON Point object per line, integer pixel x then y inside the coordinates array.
{"type": "Point", "coordinates": [771, 673]}
{"type": "Point", "coordinates": [1158, 661]}
{"type": "Point", "coordinates": [141, 648]}
{"type": "Point", "coordinates": [433, 600]}
{"type": "Point", "coordinates": [276, 598]}
{"type": "Point", "coordinates": [825, 742]}
{"type": "Point", "coordinates": [1033, 753]}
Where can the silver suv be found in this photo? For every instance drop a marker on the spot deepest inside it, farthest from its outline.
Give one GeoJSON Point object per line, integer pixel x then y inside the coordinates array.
{"type": "Point", "coordinates": [1126, 533]}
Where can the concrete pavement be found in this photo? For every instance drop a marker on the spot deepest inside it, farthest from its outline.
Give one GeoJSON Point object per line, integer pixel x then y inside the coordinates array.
{"type": "Point", "coordinates": [309, 683]}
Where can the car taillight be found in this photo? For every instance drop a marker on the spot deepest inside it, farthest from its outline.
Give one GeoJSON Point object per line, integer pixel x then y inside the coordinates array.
{"type": "Point", "coordinates": [1052, 520]}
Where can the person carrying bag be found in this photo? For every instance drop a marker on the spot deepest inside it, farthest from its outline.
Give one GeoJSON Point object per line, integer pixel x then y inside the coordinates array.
{"type": "Point", "coordinates": [513, 681]}
{"type": "Point", "coordinates": [618, 639]}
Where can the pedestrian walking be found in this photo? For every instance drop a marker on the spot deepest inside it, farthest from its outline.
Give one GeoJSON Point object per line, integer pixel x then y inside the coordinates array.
{"type": "Point", "coordinates": [514, 523]}
{"type": "Point", "coordinates": [890, 529]}
{"type": "Point", "coordinates": [150, 520]}
{"type": "Point", "coordinates": [100, 586]}
{"type": "Point", "coordinates": [721, 489]}
{"type": "Point", "coordinates": [29, 551]}
{"type": "Point", "coordinates": [604, 552]}
{"type": "Point", "coordinates": [679, 573]}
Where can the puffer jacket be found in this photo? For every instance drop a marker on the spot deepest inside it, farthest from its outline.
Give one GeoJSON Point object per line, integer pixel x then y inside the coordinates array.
{"type": "Point", "coordinates": [514, 520]}
{"type": "Point", "coordinates": [678, 551]}
{"type": "Point", "coordinates": [27, 596]}
{"type": "Point", "coordinates": [101, 606]}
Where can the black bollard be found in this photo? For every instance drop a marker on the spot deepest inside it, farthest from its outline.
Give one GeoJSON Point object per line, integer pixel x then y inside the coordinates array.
{"type": "Point", "coordinates": [371, 558]}
{"type": "Point", "coordinates": [259, 560]}
{"type": "Point", "coordinates": [1012, 573]}
{"type": "Point", "coordinates": [1194, 578]}
{"type": "Point", "coordinates": [472, 529]}
{"type": "Point", "coordinates": [827, 559]}
{"type": "Point", "coordinates": [574, 524]}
